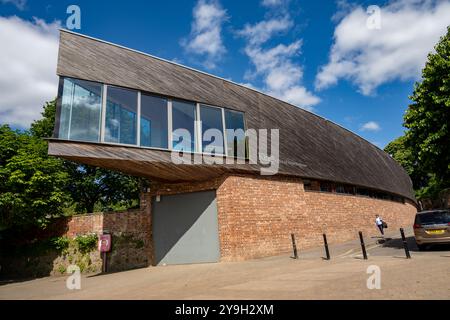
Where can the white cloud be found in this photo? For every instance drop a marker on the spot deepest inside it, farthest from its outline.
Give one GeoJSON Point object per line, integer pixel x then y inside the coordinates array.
{"type": "Point", "coordinates": [262, 31]}
{"type": "Point", "coordinates": [20, 4]}
{"type": "Point", "coordinates": [28, 68]}
{"type": "Point", "coordinates": [205, 39]}
{"type": "Point", "coordinates": [282, 77]}
{"type": "Point", "coordinates": [343, 8]}
{"type": "Point", "coordinates": [272, 3]}
{"type": "Point", "coordinates": [370, 126]}
{"type": "Point", "coordinates": [397, 51]}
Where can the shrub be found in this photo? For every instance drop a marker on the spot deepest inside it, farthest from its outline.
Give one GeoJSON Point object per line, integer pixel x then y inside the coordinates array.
{"type": "Point", "coordinates": [86, 243]}
{"type": "Point", "coordinates": [61, 244]}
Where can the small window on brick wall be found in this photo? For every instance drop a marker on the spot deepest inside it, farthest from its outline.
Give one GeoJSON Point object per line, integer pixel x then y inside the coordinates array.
{"type": "Point", "coordinates": [326, 187]}
{"type": "Point", "coordinates": [307, 184]}
{"type": "Point", "coordinates": [346, 189]}
{"type": "Point", "coordinates": [362, 192]}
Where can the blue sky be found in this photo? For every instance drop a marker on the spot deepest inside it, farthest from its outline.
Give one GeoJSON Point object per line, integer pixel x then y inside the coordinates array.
{"type": "Point", "coordinates": [319, 55]}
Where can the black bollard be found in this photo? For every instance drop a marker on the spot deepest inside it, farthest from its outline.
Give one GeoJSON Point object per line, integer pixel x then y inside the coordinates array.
{"type": "Point", "coordinates": [405, 244]}
{"type": "Point", "coordinates": [327, 252]}
{"type": "Point", "coordinates": [363, 246]}
{"type": "Point", "coordinates": [294, 246]}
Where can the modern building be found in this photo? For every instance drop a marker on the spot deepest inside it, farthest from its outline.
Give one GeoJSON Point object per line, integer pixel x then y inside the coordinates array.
{"type": "Point", "coordinates": [120, 109]}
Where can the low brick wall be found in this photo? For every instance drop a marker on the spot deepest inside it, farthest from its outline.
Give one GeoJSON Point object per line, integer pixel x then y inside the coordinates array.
{"type": "Point", "coordinates": [131, 244]}
{"type": "Point", "coordinates": [130, 232]}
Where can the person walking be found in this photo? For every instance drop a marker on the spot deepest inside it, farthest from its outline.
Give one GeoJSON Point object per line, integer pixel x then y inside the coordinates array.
{"type": "Point", "coordinates": [379, 223]}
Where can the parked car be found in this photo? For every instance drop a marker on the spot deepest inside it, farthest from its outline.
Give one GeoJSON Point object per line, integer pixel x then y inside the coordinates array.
{"type": "Point", "coordinates": [432, 227]}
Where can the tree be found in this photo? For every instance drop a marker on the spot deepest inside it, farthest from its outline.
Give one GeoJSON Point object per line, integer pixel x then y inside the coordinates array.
{"type": "Point", "coordinates": [31, 184]}
{"type": "Point", "coordinates": [88, 185]}
{"type": "Point", "coordinates": [43, 128]}
{"type": "Point", "coordinates": [402, 153]}
{"type": "Point", "coordinates": [35, 187]}
{"type": "Point", "coordinates": [424, 150]}
{"type": "Point", "coordinates": [10, 141]}
{"type": "Point", "coordinates": [428, 118]}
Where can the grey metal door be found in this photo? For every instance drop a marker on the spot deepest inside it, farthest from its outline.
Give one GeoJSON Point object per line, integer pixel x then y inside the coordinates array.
{"type": "Point", "coordinates": [185, 228]}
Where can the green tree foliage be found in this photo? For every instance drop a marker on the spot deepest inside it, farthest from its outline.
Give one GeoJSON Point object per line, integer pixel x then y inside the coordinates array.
{"type": "Point", "coordinates": [424, 151]}
{"type": "Point", "coordinates": [89, 186]}
{"type": "Point", "coordinates": [35, 187]}
{"type": "Point", "coordinates": [399, 150]}
{"type": "Point", "coordinates": [31, 184]}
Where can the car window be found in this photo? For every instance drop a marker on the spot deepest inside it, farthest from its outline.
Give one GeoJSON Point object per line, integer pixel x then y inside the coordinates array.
{"type": "Point", "coordinates": [438, 217]}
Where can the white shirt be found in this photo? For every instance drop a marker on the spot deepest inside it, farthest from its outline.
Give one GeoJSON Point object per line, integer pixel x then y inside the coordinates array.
{"type": "Point", "coordinates": [378, 221]}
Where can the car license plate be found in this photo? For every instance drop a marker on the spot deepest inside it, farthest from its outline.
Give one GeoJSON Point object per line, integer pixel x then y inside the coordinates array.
{"type": "Point", "coordinates": [439, 231]}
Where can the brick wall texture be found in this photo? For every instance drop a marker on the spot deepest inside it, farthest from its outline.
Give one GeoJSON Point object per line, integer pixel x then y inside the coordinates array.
{"type": "Point", "coordinates": [130, 231]}
{"type": "Point", "coordinates": [256, 218]}
{"type": "Point", "coordinates": [257, 215]}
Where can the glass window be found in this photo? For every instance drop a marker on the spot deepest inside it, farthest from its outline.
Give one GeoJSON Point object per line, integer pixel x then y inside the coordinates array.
{"type": "Point", "coordinates": [362, 192]}
{"type": "Point", "coordinates": [212, 130]}
{"type": "Point", "coordinates": [80, 110]}
{"type": "Point", "coordinates": [121, 115]}
{"type": "Point", "coordinates": [433, 217]}
{"type": "Point", "coordinates": [307, 185]}
{"type": "Point", "coordinates": [183, 125]}
{"type": "Point", "coordinates": [153, 121]}
{"type": "Point", "coordinates": [326, 187]}
{"type": "Point", "coordinates": [234, 122]}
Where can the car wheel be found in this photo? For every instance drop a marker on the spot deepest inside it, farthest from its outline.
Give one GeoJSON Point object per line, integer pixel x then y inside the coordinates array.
{"type": "Point", "coordinates": [422, 247]}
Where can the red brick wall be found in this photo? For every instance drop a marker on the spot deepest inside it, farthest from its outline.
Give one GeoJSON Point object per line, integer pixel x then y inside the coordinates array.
{"type": "Point", "coordinates": [256, 217]}
{"type": "Point", "coordinates": [131, 234]}
{"type": "Point", "coordinates": [257, 214]}
{"type": "Point", "coordinates": [84, 224]}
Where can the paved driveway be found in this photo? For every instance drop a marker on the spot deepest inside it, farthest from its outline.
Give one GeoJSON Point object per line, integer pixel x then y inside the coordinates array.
{"type": "Point", "coordinates": [425, 276]}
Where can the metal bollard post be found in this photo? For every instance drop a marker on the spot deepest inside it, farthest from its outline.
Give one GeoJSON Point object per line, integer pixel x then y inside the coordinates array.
{"type": "Point", "coordinates": [405, 244]}
{"type": "Point", "coordinates": [363, 246]}
{"type": "Point", "coordinates": [294, 246]}
{"type": "Point", "coordinates": [327, 252]}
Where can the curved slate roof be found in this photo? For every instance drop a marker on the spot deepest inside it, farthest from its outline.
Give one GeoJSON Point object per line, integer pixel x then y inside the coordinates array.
{"type": "Point", "coordinates": [310, 146]}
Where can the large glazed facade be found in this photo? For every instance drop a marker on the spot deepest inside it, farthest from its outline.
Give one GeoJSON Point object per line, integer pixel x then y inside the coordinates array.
{"type": "Point", "coordinates": [120, 109]}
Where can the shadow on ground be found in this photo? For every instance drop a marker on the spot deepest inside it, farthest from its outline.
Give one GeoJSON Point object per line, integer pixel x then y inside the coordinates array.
{"type": "Point", "coordinates": [411, 241]}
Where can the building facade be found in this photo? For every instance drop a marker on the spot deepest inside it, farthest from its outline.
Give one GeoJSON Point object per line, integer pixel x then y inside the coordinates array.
{"type": "Point", "coordinates": [128, 111]}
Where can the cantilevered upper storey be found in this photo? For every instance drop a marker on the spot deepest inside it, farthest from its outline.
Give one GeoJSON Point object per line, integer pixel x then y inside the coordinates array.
{"type": "Point", "coordinates": [119, 109]}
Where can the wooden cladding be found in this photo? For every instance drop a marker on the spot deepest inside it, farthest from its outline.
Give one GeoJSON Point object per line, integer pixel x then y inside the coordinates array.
{"type": "Point", "coordinates": [310, 146]}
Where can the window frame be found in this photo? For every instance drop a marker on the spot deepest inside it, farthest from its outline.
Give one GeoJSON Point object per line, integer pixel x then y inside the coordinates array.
{"type": "Point", "coordinates": [169, 118]}
{"type": "Point", "coordinates": [105, 102]}
{"type": "Point", "coordinates": [59, 105]}
{"type": "Point", "coordinates": [170, 128]}
{"type": "Point", "coordinates": [197, 122]}
{"type": "Point", "coordinates": [200, 130]}
{"type": "Point", "coordinates": [246, 151]}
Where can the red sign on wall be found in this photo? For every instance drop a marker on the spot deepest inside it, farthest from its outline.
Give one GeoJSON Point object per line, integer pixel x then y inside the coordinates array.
{"type": "Point", "coordinates": [104, 243]}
